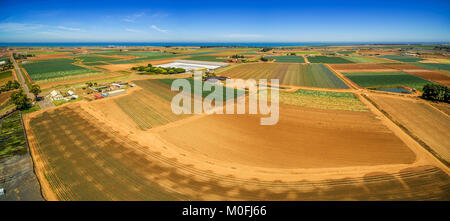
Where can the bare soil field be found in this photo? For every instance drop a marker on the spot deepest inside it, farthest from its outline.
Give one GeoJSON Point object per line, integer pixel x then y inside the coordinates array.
{"type": "Point", "coordinates": [49, 56]}
{"type": "Point", "coordinates": [297, 141]}
{"type": "Point", "coordinates": [444, 107]}
{"type": "Point", "coordinates": [432, 76]}
{"type": "Point", "coordinates": [361, 67]}
{"type": "Point", "coordinates": [423, 121]}
{"type": "Point", "coordinates": [4, 96]}
{"type": "Point", "coordinates": [81, 158]}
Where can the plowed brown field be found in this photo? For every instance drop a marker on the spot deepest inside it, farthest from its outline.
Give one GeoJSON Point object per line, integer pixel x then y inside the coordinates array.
{"type": "Point", "coordinates": [428, 124]}
{"type": "Point", "coordinates": [303, 138]}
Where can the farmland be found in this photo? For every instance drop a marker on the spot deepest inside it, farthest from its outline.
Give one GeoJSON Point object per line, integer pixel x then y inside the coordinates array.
{"type": "Point", "coordinates": [149, 107]}
{"type": "Point", "coordinates": [206, 58]}
{"type": "Point", "coordinates": [122, 62]}
{"type": "Point", "coordinates": [295, 142]}
{"type": "Point", "coordinates": [346, 52]}
{"type": "Point", "coordinates": [331, 141]}
{"type": "Point", "coordinates": [5, 76]}
{"type": "Point", "coordinates": [328, 60]}
{"type": "Point", "coordinates": [95, 58]}
{"type": "Point", "coordinates": [323, 100]}
{"type": "Point", "coordinates": [155, 57]}
{"type": "Point", "coordinates": [117, 163]}
{"type": "Point", "coordinates": [365, 59]}
{"type": "Point", "coordinates": [385, 79]}
{"type": "Point", "coordinates": [110, 170]}
{"type": "Point", "coordinates": [12, 140]}
{"type": "Point", "coordinates": [434, 76]}
{"type": "Point", "coordinates": [433, 65]}
{"type": "Point", "coordinates": [313, 75]}
{"type": "Point", "coordinates": [401, 58]}
{"type": "Point", "coordinates": [287, 59]}
{"type": "Point", "coordinates": [57, 68]}
{"type": "Point", "coordinates": [420, 120]}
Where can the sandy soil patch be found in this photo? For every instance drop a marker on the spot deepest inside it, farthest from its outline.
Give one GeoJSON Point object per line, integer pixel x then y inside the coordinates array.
{"type": "Point", "coordinates": [359, 67]}
{"type": "Point", "coordinates": [303, 138]}
{"type": "Point", "coordinates": [431, 76]}
{"type": "Point", "coordinates": [49, 56]}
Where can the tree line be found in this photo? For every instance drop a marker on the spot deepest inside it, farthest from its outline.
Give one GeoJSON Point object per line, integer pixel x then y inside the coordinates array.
{"type": "Point", "coordinates": [158, 70]}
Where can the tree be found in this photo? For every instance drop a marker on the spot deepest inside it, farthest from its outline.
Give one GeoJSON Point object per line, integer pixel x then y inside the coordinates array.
{"type": "Point", "coordinates": [264, 59]}
{"type": "Point", "coordinates": [21, 100]}
{"type": "Point", "coordinates": [436, 92]}
{"type": "Point", "coordinates": [35, 89]}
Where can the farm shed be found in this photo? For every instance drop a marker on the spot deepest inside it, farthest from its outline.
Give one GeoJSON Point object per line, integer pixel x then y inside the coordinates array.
{"type": "Point", "coordinates": [191, 65]}
{"type": "Point", "coordinates": [116, 92]}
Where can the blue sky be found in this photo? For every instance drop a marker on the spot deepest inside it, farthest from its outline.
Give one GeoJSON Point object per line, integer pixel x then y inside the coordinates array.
{"type": "Point", "coordinates": [224, 21]}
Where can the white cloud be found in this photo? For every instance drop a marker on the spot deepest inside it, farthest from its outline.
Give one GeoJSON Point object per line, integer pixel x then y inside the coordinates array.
{"type": "Point", "coordinates": [132, 18]}
{"type": "Point", "coordinates": [244, 36]}
{"type": "Point", "coordinates": [12, 26]}
{"type": "Point", "coordinates": [158, 29]}
{"type": "Point", "coordinates": [68, 28]}
{"type": "Point", "coordinates": [133, 30]}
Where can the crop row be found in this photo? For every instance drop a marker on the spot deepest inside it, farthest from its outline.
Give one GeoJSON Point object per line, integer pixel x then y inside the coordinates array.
{"type": "Point", "coordinates": [384, 79]}
{"type": "Point", "coordinates": [91, 164]}
{"type": "Point", "coordinates": [53, 69]}
{"type": "Point", "coordinates": [312, 75]}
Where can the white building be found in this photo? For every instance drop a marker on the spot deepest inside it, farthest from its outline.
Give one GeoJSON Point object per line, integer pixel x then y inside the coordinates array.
{"type": "Point", "coordinates": [191, 65]}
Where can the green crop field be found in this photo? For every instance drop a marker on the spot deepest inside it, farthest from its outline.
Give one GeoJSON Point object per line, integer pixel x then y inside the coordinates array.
{"type": "Point", "coordinates": [12, 139]}
{"type": "Point", "coordinates": [307, 52]}
{"type": "Point", "coordinates": [202, 53]}
{"type": "Point", "coordinates": [365, 59]}
{"type": "Point", "coordinates": [95, 58]}
{"type": "Point", "coordinates": [287, 59]}
{"type": "Point", "coordinates": [95, 162]}
{"type": "Point", "coordinates": [249, 53]}
{"type": "Point", "coordinates": [155, 57]}
{"type": "Point", "coordinates": [346, 52]}
{"type": "Point", "coordinates": [95, 63]}
{"type": "Point", "coordinates": [323, 100]}
{"type": "Point", "coordinates": [49, 52]}
{"type": "Point", "coordinates": [56, 68]}
{"type": "Point", "coordinates": [311, 75]}
{"type": "Point", "coordinates": [147, 53]}
{"type": "Point", "coordinates": [433, 66]}
{"type": "Point", "coordinates": [151, 107]}
{"type": "Point", "coordinates": [328, 60]}
{"type": "Point", "coordinates": [401, 58]}
{"type": "Point", "coordinates": [5, 76]}
{"type": "Point", "coordinates": [122, 62]}
{"type": "Point", "coordinates": [386, 79]}
{"type": "Point", "coordinates": [206, 58]}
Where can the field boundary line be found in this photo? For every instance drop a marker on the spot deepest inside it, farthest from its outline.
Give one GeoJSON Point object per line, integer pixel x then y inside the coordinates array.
{"type": "Point", "coordinates": [347, 81]}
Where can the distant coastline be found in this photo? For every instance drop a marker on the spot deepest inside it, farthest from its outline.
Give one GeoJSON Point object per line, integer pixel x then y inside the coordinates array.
{"type": "Point", "coordinates": [199, 44]}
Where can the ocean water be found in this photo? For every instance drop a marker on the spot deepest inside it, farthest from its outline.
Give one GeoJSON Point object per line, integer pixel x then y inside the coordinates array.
{"type": "Point", "coordinates": [223, 44]}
